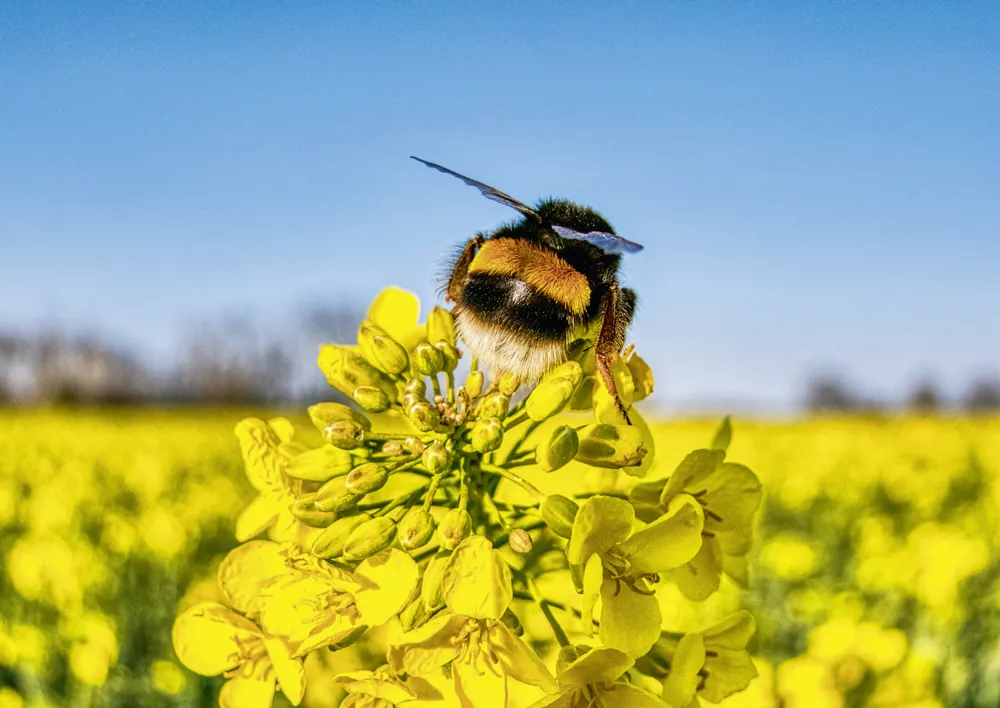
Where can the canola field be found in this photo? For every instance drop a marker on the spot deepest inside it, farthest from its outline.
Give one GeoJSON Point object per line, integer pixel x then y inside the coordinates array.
{"type": "Point", "coordinates": [875, 572]}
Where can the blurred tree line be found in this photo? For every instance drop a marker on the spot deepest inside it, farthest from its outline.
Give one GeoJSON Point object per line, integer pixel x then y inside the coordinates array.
{"type": "Point", "coordinates": [834, 394]}
{"type": "Point", "coordinates": [240, 360]}
{"type": "Point", "coordinates": [232, 361]}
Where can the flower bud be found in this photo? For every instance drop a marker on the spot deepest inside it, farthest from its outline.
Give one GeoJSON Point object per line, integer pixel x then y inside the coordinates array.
{"type": "Point", "coordinates": [392, 448]}
{"type": "Point", "coordinates": [611, 446]}
{"type": "Point", "coordinates": [432, 585]}
{"type": "Point", "coordinates": [323, 414]}
{"type": "Point", "coordinates": [558, 448]}
{"type": "Point", "coordinates": [569, 654]}
{"type": "Point", "coordinates": [380, 349]}
{"type": "Point", "coordinates": [413, 615]}
{"type": "Point", "coordinates": [371, 398]}
{"type": "Point", "coordinates": [330, 543]}
{"type": "Point", "coordinates": [436, 458]}
{"type": "Point", "coordinates": [321, 464]}
{"type": "Point", "coordinates": [642, 376]}
{"type": "Point", "coordinates": [495, 405]}
{"type": "Point", "coordinates": [519, 541]}
{"type": "Point", "coordinates": [350, 639]}
{"type": "Point", "coordinates": [450, 355]}
{"type": "Point", "coordinates": [508, 383]}
{"type": "Point", "coordinates": [305, 511]}
{"type": "Point", "coordinates": [570, 370]}
{"type": "Point", "coordinates": [369, 538]}
{"type": "Point", "coordinates": [513, 622]}
{"type": "Point", "coordinates": [559, 512]}
{"type": "Point", "coordinates": [333, 496]}
{"type": "Point", "coordinates": [414, 445]}
{"type": "Point", "coordinates": [456, 525]}
{"type": "Point", "coordinates": [424, 416]}
{"type": "Point", "coordinates": [549, 397]}
{"type": "Point", "coordinates": [369, 477]}
{"type": "Point", "coordinates": [427, 359]}
{"type": "Point", "coordinates": [474, 384]}
{"type": "Point", "coordinates": [415, 529]}
{"type": "Point", "coordinates": [410, 400]}
{"type": "Point", "coordinates": [441, 326]}
{"type": "Point", "coordinates": [487, 435]}
{"type": "Point", "coordinates": [345, 434]}
{"type": "Point", "coordinates": [345, 370]}
{"type": "Point", "coordinates": [417, 387]}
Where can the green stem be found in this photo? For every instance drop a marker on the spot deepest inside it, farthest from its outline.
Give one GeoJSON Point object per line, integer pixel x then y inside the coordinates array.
{"type": "Point", "coordinates": [515, 450]}
{"type": "Point", "coordinates": [490, 506]}
{"type": "Point", "coordinates": [516, 479]}
{"type": "Point", "coordinates": [545, 606]}
{"type": "Point", "coordinates": [516, 420]}
{"type": "Point", "coordinates": [405, 499]}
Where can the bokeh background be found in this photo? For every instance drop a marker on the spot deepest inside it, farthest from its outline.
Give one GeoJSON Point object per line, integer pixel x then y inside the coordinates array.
{"type": "Point", "coordinates": [193, 196]}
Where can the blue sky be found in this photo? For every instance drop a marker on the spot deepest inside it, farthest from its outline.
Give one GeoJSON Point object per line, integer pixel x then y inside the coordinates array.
{"type": "Point", "coordinates": [815, 188]}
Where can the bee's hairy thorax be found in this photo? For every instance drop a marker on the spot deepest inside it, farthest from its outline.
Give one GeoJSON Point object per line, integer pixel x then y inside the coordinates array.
{"type": "Point", "coordinates": [520, 301]}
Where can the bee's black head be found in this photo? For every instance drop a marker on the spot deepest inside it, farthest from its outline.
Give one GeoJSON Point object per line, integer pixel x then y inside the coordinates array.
{"type": "Point", "coordinates": [562, 212]}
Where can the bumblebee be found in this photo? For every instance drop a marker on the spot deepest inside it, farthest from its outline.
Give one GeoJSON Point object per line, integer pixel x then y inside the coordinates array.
{"type": "Point", "coordinates": [525, 291]}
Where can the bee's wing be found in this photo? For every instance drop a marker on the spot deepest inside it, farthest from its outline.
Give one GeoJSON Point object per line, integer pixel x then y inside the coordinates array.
{"type": "Point", "coordinates": [609, 243]}
{"type": "Point", "coordinates": [484, 189]}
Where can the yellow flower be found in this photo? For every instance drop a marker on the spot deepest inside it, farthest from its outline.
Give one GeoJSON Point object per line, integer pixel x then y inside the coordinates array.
{"type": "Point", "coordinates": [482, 651]}
{"type": "Point", "coordinates": [621, 566]}
{"type": "Point", "coordinates": [265, 467]}
{"type": "Point", "coordinates": [589, 677]}
{"type": "Point", "coordinates": [381, 689]}
{"type": "Point", "coordinates": [729, 495]}
{"type": "Point", "coordinates": [309, 602]}
{"type": "Point", "coordinates": [711, 664]}
{"type": "Point", "coordinates": [211, 639]}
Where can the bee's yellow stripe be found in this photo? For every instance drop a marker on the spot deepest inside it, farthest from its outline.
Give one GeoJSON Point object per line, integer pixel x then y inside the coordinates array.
{"type": "Point", "coordinates": [540, 268]}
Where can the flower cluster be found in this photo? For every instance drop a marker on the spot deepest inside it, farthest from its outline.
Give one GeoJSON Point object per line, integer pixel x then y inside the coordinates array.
{"type": "Point", "coordinates": [419, 512]}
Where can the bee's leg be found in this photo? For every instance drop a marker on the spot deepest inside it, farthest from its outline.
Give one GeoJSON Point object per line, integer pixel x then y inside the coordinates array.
{"type": "Point", "coordinates": [617, 306]}
{"type": "Point", "coordinates": [460, 271]}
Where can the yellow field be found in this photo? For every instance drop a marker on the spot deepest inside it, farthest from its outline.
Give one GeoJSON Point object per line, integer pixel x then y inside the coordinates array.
{"type": "Point", "coordinates": [875, 576]}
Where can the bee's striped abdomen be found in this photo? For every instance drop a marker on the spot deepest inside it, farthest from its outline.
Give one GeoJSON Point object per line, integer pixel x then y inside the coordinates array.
{"type": "Point", "coordinates": [540, 269]}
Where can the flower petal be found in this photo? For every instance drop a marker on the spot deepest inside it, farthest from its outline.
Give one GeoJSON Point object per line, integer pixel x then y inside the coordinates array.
{"type": "Point", "coordinates": [734, 632]}
{"type": "Point", "coordinates": [601, 523]}
{"type": "Point", "coordinates": [692, 470]}
{"type": "Point", "coordinates": [396, 311]}
{"type": "Point", "coordinates": [377, 684]}
{"type": "Point", "coordinates": [602, 665]}
{"type": "Point", "coordinates": [429, 647]}
{"type": "Point", "coordinates": [683, 679]}
{"type": "Point", "coordinates": [731, 671]}
{"type": "Point", "coordinates": [630, 621]}
{"type": "Point", "coordinates": [734, 493]}
{"type": "Point", "coordinates": [519, 660]}
{"type": "Point", "coordinates": [206, 637]}
{"type": "Point", "coordinates": [668, 542]}
{"type": "Point", "coordinates": [622, 695]}
{"type": "Point", "coordinates": [259, 514]}
{"type": "Point", "coordinates": [246, 570]}
{"type": "Point", "coordinates": [247, 692]}
{"type": "Point", "coordinates": [566, 698]}
{"type": "Point", "coordinates": [290, 673]}
{"type": "Point", "coordinates": [387, 580]}
{"type": "Point", "coordinates": [480, 684]}
{"type": "Point", "coordinates": [477, 580]}
{"type": "Point", "coordinates": [593, 576]}
{"type": "Point", "coordinates": [259, 445]}
{"type": "Point", "coordinates": [700, 577]}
